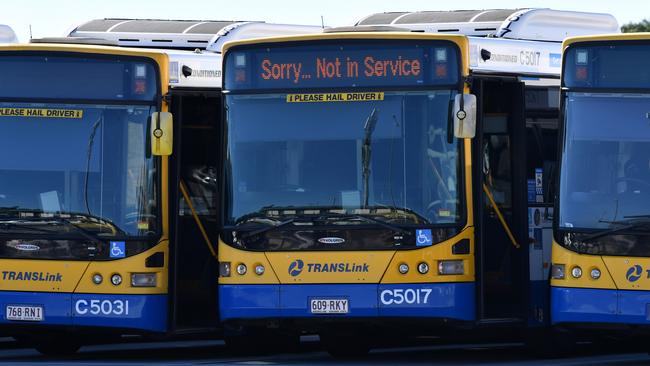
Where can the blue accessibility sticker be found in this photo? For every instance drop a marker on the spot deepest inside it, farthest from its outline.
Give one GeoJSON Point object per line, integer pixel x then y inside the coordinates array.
{"type": "Point", "coordinates": [423, 237]}
{"type": "Point", "coordinates": [117, 249]}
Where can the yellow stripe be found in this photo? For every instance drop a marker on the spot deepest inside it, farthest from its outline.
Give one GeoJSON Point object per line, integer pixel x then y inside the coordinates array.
{"type": "Point", "coordinates": [186, 196]}
{"type": "Point", "coordinates": [500, 216]}
{"type": "Point", "coordinates": [41, 113]}
{"type": "Point", "coordinates": [334, 97]}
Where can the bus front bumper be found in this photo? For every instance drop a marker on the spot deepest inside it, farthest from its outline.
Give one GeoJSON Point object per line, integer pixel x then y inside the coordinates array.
{"type": "Point", "coordinates": [454, 301]}
{"type": "Point", "coordinates": [144, 313]}
{"type": "Point", "coordinates": [583, 305]}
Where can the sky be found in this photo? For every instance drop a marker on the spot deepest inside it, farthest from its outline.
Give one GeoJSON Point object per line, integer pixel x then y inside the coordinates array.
{"type": "Point", "coordinates": [56, 17]}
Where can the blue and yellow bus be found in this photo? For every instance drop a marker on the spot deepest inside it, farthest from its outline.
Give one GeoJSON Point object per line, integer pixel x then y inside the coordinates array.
{"type": "Point", "coordinates": [600, 274]}
{"type": "Point", "coordinates": [328, 210]}
{"type": "Point", "coordinates": [90, 242]}
{"type": "Point", "coordinates": [356, 198]}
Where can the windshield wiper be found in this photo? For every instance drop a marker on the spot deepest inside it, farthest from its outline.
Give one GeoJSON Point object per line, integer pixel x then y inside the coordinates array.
{"type": "Point", "coordinates": [633, 223]}
{"type": "Point", "coordinates": [371, 219]}
{"type": "Point", "coordinates": [366, 151]}
{"type": "Point", "coordinates": [637, 217]}
{"type": "Point", "coordinates": [5, 225]}
{"type": "Point", "coordinates": [85, 233]}
{"type": "Point", "coordinates": [268, 228]}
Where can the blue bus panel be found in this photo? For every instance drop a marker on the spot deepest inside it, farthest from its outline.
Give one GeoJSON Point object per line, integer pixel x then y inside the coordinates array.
{"type": "Point", "coordinates": [453, 301]}
{"type": "Point", "coordinates": [146, 313]}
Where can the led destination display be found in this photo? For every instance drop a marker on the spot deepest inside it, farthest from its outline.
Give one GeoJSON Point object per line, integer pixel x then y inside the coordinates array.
{"type": "Point", "coordinates": [349, 64]}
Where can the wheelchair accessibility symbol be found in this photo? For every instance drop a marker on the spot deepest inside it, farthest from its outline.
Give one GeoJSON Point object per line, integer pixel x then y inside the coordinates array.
{"type": "Point", "coordinates": [423, 237]}
{"type": "Point", "coordinates": [117, 249]}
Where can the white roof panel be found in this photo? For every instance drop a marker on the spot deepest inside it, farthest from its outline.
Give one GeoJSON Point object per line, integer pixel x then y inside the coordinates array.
{"type": "Point", "coordinates": [495, 55]}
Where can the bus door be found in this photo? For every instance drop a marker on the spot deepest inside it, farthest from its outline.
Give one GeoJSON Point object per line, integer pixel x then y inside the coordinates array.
{"type": "Point", "coordinates": [499, 181]}
{"type": "Point", "coordinates": [193, 180]}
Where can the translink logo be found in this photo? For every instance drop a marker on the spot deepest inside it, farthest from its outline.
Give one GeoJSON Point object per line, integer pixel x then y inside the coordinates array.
{"type": "Point", "coordinates": [634, 273]}
{"type": "Point", "coordinates": [296, 267]}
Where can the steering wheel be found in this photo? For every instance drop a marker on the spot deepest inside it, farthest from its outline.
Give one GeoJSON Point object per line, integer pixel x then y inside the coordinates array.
{"type": "Point", "coordinates": [433, 209]}
{"type": "Point", "coordinates": [133, 217]}
{"type": "Point", "coordinates": [633, 180]}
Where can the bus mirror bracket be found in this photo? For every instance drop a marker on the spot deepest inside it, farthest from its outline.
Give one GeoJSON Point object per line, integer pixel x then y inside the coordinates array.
{"type": "Point", "coordinates": [464, 115]}
{"type": "Point", "coordinates": [161, 133]}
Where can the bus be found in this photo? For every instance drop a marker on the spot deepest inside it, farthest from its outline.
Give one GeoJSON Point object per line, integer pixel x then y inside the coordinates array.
{"type": "Point", "coordinates": [108, 204]}
{"type": "Point", "coordinates": [381, 179]}
{"type": "Point", "coordinates": [600, 276]}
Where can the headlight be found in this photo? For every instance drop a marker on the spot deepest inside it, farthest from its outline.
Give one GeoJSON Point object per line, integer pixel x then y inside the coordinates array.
{"type": "Point", "coordinates": [116, 279]}
{"type": "Point", "coordinates": [423, 268]}
{"type": "Point", "coordinates": [455, 267]}
{"type": "Point", "coordinates": [403, 268]}
{"type": "Point", "coordinates": [259, 269]}
{"type": "Point", "coordinates": [224, 269]}
{"type": "Point", "coordinates": [595, 273]}
{"type": "Point", "coordinates": [241, 269]}
{"type": "Point", "coordinates": [557, 271]}
{"type": "Point", "coordinates": [576, 272]}
{"type": "Point", "coordinates": [144, 280]}
{"type": "Point", "coordinates": [97, 278]}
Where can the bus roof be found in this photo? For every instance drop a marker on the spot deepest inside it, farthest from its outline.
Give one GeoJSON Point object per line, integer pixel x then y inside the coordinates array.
{"type": "Point", "coordinates": [181, 34]}
{"type": "Point", "coordinates": [7, 35]}
{"type": "Point", "coordinates": [523, 24]}
{"type": "Point", "coordinates": [641, 36]}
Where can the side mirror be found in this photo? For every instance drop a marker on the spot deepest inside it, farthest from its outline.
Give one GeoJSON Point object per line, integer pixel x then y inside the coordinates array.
{"type": "Point", "coordinates": [161, 133]}
{"type": "Point", "coordinates": [464, 115]}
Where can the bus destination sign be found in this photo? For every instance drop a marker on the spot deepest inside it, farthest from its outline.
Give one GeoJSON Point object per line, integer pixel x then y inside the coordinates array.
{"type": "Point", "coordinates": [355, 65]}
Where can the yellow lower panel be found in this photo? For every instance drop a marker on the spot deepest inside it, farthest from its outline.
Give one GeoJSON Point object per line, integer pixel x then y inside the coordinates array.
{"type": "Point", "coordinates": [629, 273]}
{"type": "Point", "coordinates": [432, 255]}
{"type": "Point", "coordinates": [586, 262]}
{"type": "Point", "coordinates": [330, 266]}
{"type": "Point", "coordinates": [228, 254]}
{"type": "Point", "coordinates": [125, 267]}
{"type": "Point", "coordinates": [40, 275]}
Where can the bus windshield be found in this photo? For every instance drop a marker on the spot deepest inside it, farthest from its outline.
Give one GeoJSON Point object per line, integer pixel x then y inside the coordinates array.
{"type": "Point", "coordinates": [391, 153]}
{"type": "Point", "coordinates": [69, 160]}
{"type": "Point", "coordinates": [605, 175]}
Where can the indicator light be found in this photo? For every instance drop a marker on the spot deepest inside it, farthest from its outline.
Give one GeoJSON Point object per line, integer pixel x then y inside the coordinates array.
{"type": "Point", "coordinates": [455, 267]}
{"type": "Point", "coordinates": [241, 269]}
{"type": "Point", "coordinates": [144, 280]}
{"type": "Point", "coordinates": [403, 268]}
{"type": "Point", "coordinates": [576, 272]}
{"type": "Point", "coordinates": [116, 279]}
{"type": "Point", "coordinates": [595, 273]}
{"type": "Point", "coordinates": [557, 271]}
{"type": "Point", "coordinates": [259, 269]}
{"type": "Point", "coordinates": [423, 268]}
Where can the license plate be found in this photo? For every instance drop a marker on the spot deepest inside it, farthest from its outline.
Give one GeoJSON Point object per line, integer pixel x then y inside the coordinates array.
{"type": "Point", "coordinates": [24, 313]}
{"type": "Point", "coordinates": [329, 306]}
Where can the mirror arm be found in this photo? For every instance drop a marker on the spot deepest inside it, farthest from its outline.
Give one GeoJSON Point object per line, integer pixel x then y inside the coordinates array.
{"type": "Point", "coordinates": [450, 122]}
